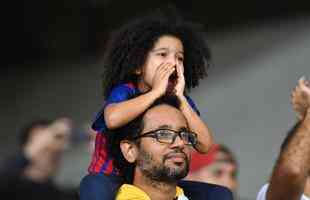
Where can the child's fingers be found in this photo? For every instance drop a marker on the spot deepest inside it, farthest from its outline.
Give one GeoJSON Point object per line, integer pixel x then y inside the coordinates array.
{"type": "Point", "coordinates": [166, 74]}
{"type": "Point", "coordinates": [180, 69]}
{"type": "Point", "coordinates": [180, 72]}
{"type": "Point", "coordinates": [165, 69]}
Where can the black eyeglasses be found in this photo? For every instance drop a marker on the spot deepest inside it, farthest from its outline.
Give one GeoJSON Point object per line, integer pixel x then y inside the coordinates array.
{"type": "Point", "coordinates": [168, 136]}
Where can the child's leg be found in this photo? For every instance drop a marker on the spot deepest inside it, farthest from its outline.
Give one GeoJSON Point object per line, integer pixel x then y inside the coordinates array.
{"type": "Point", "coordinates": [99, 187]}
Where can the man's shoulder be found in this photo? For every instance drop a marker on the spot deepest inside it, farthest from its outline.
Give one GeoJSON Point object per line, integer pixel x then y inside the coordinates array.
{"type": "Point", "coordinates": [200, 191]}
{"type": "Point", "coordinates": [128, 191]}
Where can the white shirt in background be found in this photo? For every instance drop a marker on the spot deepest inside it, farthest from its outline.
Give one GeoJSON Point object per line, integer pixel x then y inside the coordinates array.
{"type": "Point", "coordinates": [263, 191]}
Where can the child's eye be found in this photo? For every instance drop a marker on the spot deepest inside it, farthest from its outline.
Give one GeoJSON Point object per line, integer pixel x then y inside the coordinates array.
{"type": "Point", "coordinates": [162, 54]}
{"type": "Point", "coordinates": [181, 59]}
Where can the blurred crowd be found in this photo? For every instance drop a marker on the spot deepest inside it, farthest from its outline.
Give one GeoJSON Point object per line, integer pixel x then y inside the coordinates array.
{"type": "Point", "coordinates": [30, 172]}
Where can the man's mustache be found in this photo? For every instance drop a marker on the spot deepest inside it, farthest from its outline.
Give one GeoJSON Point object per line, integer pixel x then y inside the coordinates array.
{"type": "Point", "coordinates": [173, 154]}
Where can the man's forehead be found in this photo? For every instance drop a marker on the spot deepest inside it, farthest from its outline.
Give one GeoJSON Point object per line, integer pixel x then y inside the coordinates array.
{"type": "Point", "coordinates": [164, 116]}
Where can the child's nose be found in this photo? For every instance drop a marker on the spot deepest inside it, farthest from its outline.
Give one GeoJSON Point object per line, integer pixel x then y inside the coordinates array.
{"type": "Point", "coordinates": [173, 60]}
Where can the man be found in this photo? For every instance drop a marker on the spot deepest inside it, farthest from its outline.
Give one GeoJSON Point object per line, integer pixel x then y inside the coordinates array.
{"type": "Point", "coordinates": [153, 154]}
{"type": "Point", "coordinates": [219, 167]}
{"type": "Point", "coordinates": [290, 179]}
{"type": "Point", "coordinates": [28, 175]}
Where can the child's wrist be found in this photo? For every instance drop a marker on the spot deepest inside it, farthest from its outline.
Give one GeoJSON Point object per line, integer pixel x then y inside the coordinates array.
{"type": "Point", "coordinates": [156, 94]}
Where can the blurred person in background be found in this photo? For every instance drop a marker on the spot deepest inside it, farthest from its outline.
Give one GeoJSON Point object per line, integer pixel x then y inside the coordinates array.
{"type": "Point", "coordinates": [29, 173]}
{"type": "Point", "coordinates": [218, 167]}
{"type": "Point", "coordinates": [290, 178]}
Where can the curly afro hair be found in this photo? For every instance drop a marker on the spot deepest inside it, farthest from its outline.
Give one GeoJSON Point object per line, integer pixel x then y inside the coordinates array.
{"type": "Point", "coordinates": [129, 46]}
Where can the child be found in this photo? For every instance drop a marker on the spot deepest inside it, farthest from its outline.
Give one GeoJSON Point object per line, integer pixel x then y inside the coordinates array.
{"type": "Point", "coordinates": [145, 59]}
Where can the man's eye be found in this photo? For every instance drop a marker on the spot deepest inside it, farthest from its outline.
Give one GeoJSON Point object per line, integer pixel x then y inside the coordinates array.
{"type": "Point", "coordinates": [163, 133]}
{"type": "Point", "coordinates": [234, 175]}
{"type": "Point", "coordinates": [217, 173]}
{"type": "Point", "coordinates": [59, 136]}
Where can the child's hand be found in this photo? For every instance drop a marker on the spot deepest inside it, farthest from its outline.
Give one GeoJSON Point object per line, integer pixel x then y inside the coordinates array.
{"type": "Point", "coordinates": [179, 88]}
{"type": "Point", "coordinates": [161, 78]}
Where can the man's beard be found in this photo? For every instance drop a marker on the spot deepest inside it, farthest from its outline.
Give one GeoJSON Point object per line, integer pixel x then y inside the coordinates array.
{"type": "Point", "coordinates": [160, 172]}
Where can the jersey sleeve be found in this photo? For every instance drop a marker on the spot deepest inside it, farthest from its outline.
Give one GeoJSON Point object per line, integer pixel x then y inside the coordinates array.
{"type": "Point", "coordinates": [192, 104]}
{"type": "Point", "coordinates": [118, 94]}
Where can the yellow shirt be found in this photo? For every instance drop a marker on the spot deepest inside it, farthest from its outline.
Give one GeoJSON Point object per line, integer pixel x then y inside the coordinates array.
{"type": "Point", "coordinates": [131, 192]}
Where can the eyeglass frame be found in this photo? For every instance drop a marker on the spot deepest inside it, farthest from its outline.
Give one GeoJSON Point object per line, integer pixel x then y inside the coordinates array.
{"type": "Point", "coordinates": [153, 134]}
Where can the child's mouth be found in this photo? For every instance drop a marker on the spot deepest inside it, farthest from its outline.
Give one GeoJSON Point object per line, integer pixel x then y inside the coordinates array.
{"type": "Point", "coordinates": [173, 77]}
{"type": "Point", "coordinates": [172, 82]}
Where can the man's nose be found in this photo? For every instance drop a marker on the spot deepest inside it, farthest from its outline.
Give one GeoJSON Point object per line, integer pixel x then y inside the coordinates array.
{"type": "Point", "coordinates": [179, 142]}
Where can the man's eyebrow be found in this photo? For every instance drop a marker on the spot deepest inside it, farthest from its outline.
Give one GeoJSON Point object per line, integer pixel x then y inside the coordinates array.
{"type": "Point", "coordinates": [165, 126]}
{"type": "Point", "coordinates": [184, 128]}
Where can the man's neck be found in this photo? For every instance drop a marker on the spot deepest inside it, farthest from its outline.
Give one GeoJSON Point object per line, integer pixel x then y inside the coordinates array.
{"type": "Point", "coordinates": [154, 189]}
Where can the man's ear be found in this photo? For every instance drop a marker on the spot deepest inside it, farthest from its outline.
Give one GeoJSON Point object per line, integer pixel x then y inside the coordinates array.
{"type": "Point", "coordinates": [129, 150]}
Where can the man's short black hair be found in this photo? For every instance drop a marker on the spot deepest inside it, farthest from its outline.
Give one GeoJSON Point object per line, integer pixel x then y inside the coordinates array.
{"type": "Point", "coordinates": [128, 132]}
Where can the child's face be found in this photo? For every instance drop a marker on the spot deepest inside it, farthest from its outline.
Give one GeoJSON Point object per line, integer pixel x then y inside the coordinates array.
{"type": "Point", "coordinates": [167, 49]}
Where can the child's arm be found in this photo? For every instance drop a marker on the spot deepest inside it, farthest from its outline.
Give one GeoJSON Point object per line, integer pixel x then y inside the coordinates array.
{"type": "Point", "coordinates": [119, 114]}
{"type": "Point", "coordinates": [205, 138]}
{"type": "Point", "coordinates": [195, 123]}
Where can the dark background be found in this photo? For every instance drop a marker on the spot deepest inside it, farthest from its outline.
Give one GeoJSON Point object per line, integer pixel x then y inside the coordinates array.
{"type": "Point", "coordinates": [69, 30]}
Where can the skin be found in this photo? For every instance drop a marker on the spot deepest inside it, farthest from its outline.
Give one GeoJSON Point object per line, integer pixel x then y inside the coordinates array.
{"type": "Point", "coordinates": [290, 177]}
{"type": "Point", "coordinates": [174, 156]}
{"type": "Point", "coordinates": [224, 174]}
{"type": "Point", "coordinates": [220, 172]}
{"type": "Point", "coordinates": [45, 149]}
{"type": "Point", "coordinates": [164, 59]}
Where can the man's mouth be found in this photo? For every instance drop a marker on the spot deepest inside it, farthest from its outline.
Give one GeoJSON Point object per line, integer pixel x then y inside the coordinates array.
{"type": "Point", "coordinates": [176, 157]}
